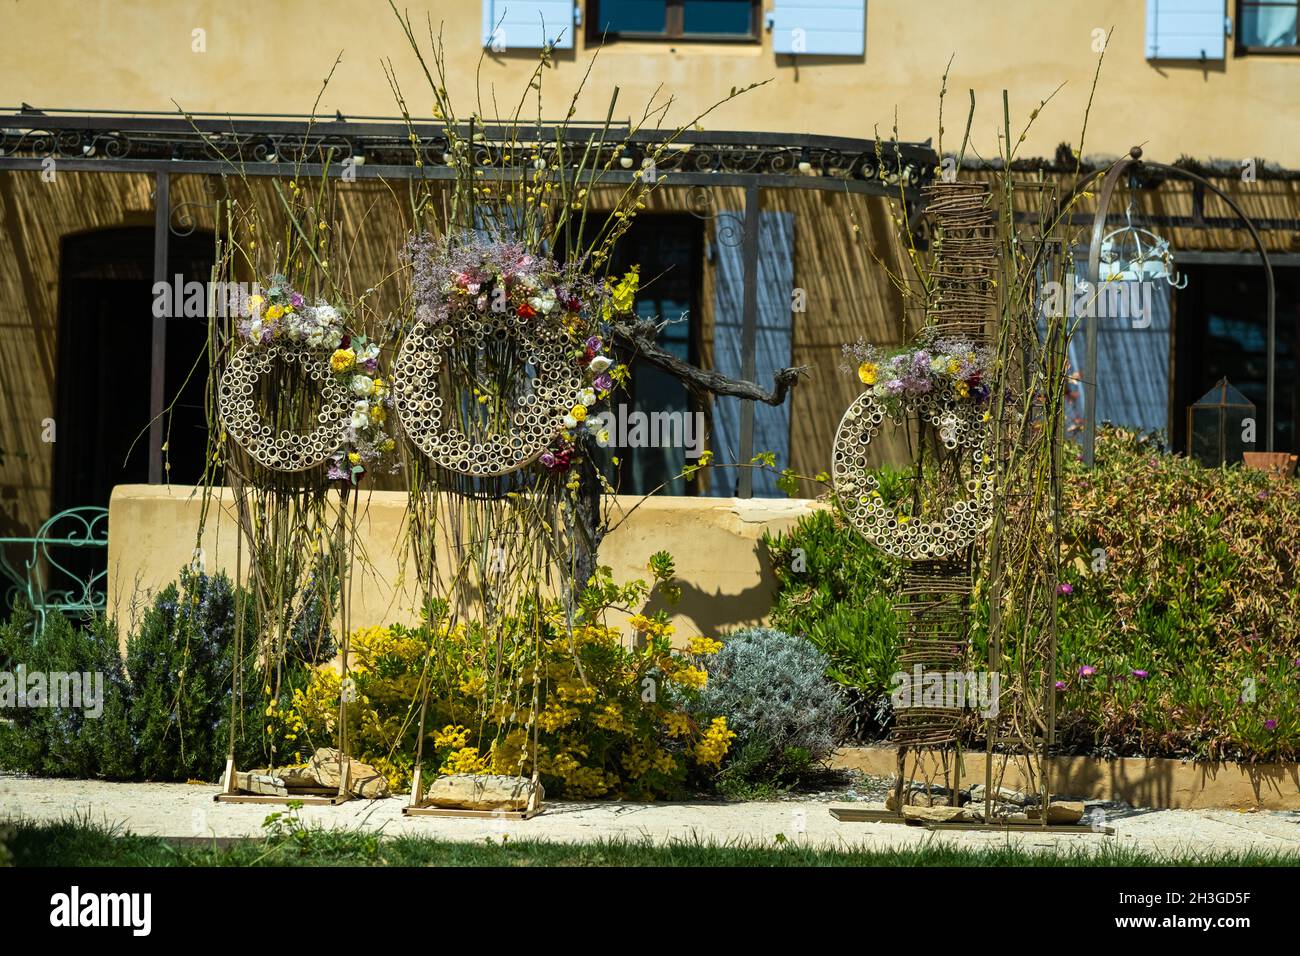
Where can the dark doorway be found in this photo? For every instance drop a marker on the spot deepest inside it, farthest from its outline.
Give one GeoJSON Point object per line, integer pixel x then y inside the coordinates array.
{"type": "Point", "coordinates": [670, 250]}
{"type": "Point", "coordinates": [105, 331]}
{"type": "Point", "coordinates": [1221, 330]}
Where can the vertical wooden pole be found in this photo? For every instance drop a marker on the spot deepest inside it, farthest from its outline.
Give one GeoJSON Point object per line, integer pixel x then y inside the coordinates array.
{"type": "Point", "coordinates": [158, 361]}
{"type": "Point", "coordinates": [749, 336]}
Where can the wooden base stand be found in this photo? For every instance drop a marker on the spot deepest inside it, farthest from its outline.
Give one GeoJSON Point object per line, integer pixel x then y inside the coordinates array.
{"type": "Point", "coordinates": [308, 796]}
{"type": "Point", "coordinates": [866, 815]}
{"type": "Point", "coordinates": [417, 809]}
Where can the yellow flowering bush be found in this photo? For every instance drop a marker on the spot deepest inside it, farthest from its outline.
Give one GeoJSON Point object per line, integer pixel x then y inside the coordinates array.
{"type": "Point", "coordinates": [612, 718]}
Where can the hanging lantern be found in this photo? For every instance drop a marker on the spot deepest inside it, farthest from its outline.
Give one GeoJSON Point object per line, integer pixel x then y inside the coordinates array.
{"type": "Point", "coordinates": [1220, 426]}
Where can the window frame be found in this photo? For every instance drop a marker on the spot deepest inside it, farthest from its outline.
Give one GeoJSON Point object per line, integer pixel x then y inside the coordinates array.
{"type": "Point", "coordinates": [674, 21]}
{"type": "Point", "coordinates": [1242, 49]}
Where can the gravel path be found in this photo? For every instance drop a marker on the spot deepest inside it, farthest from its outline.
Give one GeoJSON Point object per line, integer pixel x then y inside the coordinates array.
{"type": "Point", "coordinates": [188, 810]}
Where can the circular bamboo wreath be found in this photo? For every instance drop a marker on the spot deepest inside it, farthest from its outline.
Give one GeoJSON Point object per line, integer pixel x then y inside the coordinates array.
{"type": "Point", "coordinates": [535, 421]}
{"type": "Point", "coordinates": [284, 450]}
{"type": "Point", "coordinates": [959, 428]}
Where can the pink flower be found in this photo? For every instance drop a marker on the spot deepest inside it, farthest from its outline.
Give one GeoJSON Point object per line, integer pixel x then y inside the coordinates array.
{"type": "Point", "coordinates": [1060, 685]}
{"type": "Point", "coordinates": [1087, 670]}
{"type": "Point", "coordinates": [1140, 674]}
{"type": "Point", "coordinates": [1271, 724]}
{"type": "Point", "coordinates": [1064, 588]}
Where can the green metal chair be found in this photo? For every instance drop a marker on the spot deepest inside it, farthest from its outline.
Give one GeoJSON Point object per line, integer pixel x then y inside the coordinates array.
{"type": "Point", "coordinates": [47, 579]}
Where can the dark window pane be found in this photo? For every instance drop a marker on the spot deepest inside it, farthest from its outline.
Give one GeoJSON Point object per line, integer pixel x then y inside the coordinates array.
{"type": "Point", "coordinates": [1268, 25]}
{"type": "Point", "coordinates": [717, 16]}
{"type": "Point", "coordinates": [632, 16]}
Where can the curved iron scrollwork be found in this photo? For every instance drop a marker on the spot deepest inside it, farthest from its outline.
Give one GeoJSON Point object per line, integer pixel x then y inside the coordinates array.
{"type": "Point", "coordinates": [181, 220]}
{"type": "Point", "coordinates": [730, 226]}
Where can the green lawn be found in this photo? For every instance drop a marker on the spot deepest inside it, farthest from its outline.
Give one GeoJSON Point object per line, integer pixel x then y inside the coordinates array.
{"type": "Point", "coordinates": [287, 843]}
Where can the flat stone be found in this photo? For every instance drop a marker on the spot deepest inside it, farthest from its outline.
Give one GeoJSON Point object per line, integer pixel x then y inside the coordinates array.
{"type": "Point", "coordinates": [1060, 811]}
{"type": "Point", "coordinates": [1002, 795]}
{"type": "Point", "coordinates": [260, 784]}
{"type": "Point", "coordinates": [935, 814]}
{"type": "Point", "coordinates": [481, 792]}
{"type": "Point", "coordinates": [363, 780]}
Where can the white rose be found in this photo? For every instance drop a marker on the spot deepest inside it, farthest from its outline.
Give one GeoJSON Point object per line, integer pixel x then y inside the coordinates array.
{"type": "Point", "coordinates": [362, 384]}
{"type": "Point", "coordinates": [570, 421]}
{"type": "Point", "coordinates": [360, 414]}
{"type": "Point", "coordinates": [600, 363]}
{"type": "Point", "coordinates": [587, 397]}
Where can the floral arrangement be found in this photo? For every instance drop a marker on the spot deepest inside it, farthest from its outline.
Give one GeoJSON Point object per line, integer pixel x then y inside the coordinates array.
{"type": "Point", "coordinates": [954, 369]}
{"type": "Point", "coordinates": [471, 278]}
{"type": "Point", "coordinates": [283, 315]}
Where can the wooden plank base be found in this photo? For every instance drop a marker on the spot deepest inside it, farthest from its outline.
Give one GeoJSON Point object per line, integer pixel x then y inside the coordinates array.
{"type": "Point", "coordinates": [480, 814]}
{"type": "Point", "coordinates": [307, 799]}
{"type": "Point", "coordinates": [864, 815]}
{"type": "Point", "coordinates": [1021, 826]}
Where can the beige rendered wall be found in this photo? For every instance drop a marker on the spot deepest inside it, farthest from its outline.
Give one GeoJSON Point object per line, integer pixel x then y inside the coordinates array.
{"type": "Point", "coordinates": [271, 57]}
{"type": "Point", "coordinates": [723, 570]}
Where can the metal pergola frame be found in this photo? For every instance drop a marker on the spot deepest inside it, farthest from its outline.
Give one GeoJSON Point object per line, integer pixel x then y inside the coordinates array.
{"type": "Point", "coordinates": [165, 145]}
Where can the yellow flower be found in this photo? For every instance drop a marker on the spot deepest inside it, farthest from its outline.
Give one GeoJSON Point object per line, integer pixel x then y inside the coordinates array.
{"type": "Point", "coordinates": [343, 360]}
{"type": "Point", "coordinates": [579, 412]}
{"type": "Point", "coordinates": [953, 366]}
{"type": "Point", "coordinates": [274, 312]}
{"type": "Point", "coordinates": [715, 743]}
{"type": "Point", "coordinates": [454, 737]}
{"type": "Point", "coordinates": [377, 414]}
{"type": "Point", "coordinates": [354, 458]}
{"type": "Point", "coordinates": [963, 389]}
{"type": "Point", "coordinates": [693, 677]}
{"type": "Point", "coordinates": [867, 373]}
{"type": "Point", "coordinates": [464, 760]}
{"type": "Point", "coordinates": [677, 724]}
{"type": "Point", "coordinates": [703, 645]}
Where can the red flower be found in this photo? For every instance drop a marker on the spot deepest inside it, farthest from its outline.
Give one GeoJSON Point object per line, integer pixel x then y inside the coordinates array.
{"type": "Point", "coordinates": [525, 311]}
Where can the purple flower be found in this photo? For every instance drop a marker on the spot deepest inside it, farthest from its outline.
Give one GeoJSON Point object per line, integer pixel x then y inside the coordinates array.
{"type": "Point", "coordinates": [603, 382]}
{"type": "Point", "coordinates": [370, 365]}
{"type": "Point", "coordinates": [1271, 724]}
{"type": "Point", "coordinates": [1139, 674]}
{"type": "Point", "coordinates": [296, 299]}
{"type": "Point", "coordinates": [594, 343]}
{"type": "Point", "coordinates": [1060, 685]}
{"type": "Point", "coordinates": [336, 473]}
{"type": "Point", "coordinates": [1087, 670]}
{"type": "Point", "coordinates": [1064, 588]}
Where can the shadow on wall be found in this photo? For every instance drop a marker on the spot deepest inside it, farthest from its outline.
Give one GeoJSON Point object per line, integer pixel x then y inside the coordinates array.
{"type": "Point", "coordinates": [715, 613]}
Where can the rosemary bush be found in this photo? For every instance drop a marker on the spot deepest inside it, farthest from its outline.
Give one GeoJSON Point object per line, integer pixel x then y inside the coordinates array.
{"type": "Point", "coordinates": [786, 714]}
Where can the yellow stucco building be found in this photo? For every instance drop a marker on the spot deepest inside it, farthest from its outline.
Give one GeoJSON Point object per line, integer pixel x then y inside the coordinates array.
{"type": "Point", "coordinates": [1208, 83]}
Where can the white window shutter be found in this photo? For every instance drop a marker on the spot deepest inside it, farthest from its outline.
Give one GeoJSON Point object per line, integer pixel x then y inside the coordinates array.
{"type": "Point", "coordinates": [1186, 29]}
{"type": "Point", "coordinates": [819, 27]}
{"type": "Point", "coordinates": [528, 24]}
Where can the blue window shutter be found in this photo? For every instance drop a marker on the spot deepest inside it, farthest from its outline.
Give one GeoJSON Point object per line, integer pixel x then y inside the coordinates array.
{"type": "Point", "coordinates": [772, 346]}
{"type": "Point", "coordinates": [819, 27]}
{"type": "Point", "coordinates": [517, 24]}
{"type": "Point", "coordinates": [1132, 360]}
{"type": "Point", "coordinates": [1186, 29]}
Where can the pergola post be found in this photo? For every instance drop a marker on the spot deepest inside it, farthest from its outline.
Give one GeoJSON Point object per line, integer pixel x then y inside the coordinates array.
{"type": "Point", "coordinates": [749, 336]}
{"type": "Point", "coordinates": [158, 364]}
